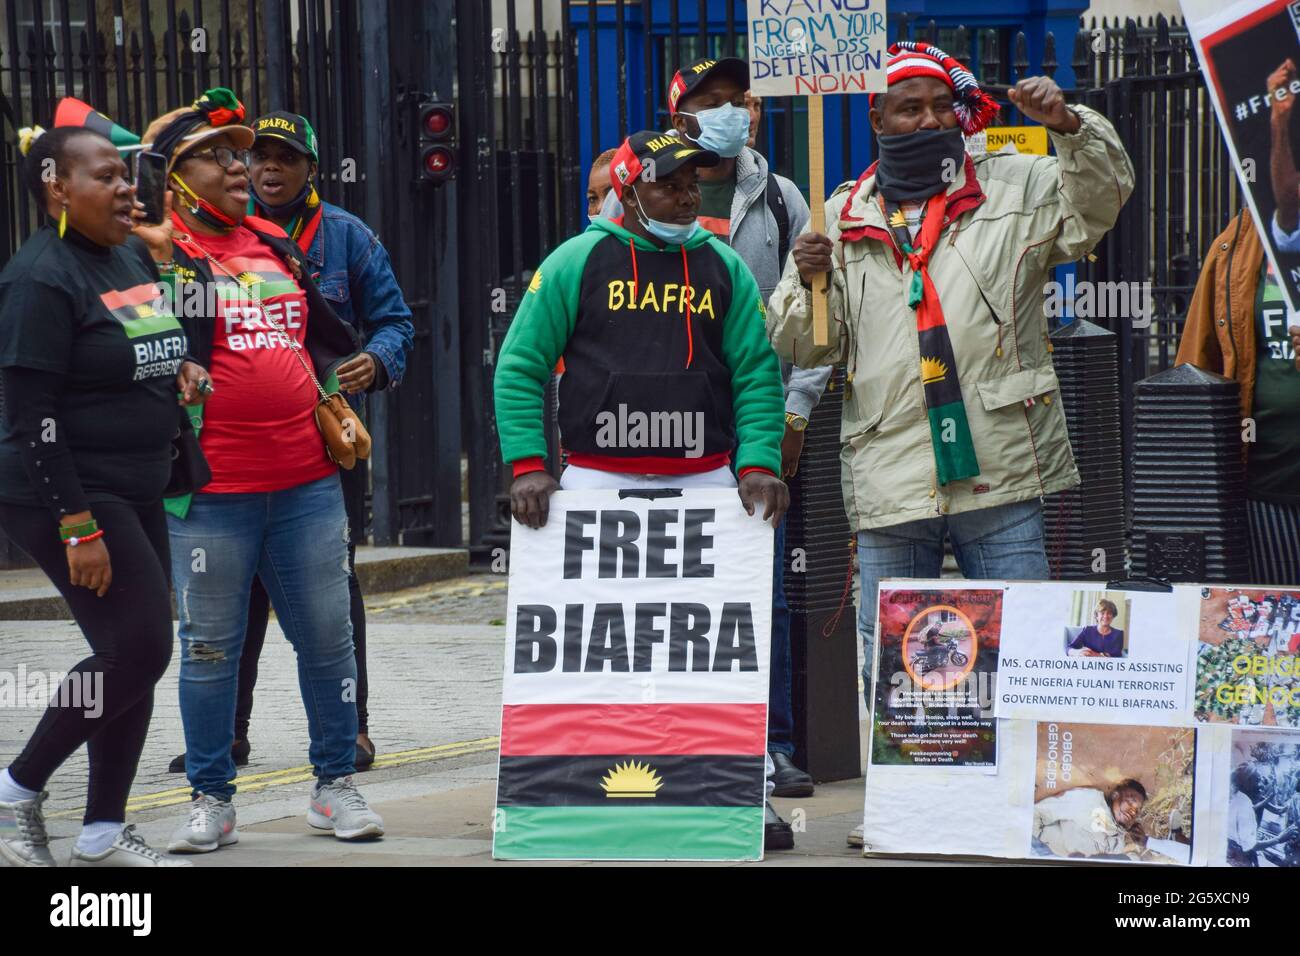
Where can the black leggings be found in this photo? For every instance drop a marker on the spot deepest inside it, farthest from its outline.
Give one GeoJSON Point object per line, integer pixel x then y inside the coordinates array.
{"type": "Point", "coordinates": [259, 609]}
{"type": "Point", "coordinates": [130, 633]}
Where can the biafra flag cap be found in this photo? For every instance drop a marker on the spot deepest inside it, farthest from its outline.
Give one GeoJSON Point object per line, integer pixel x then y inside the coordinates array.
{"type": "Point", "coordinates": [290, 127]}
{"type": "Point", "coordinates": [73, 112]}
{"type": "Point", "coordinates": [693, 74]}
{"type": "Point", "coordinates": [650, 155]}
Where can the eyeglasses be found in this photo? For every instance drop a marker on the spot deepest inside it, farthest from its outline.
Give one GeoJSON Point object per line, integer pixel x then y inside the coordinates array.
{"type": "Point", "coordinates": [224, 156]}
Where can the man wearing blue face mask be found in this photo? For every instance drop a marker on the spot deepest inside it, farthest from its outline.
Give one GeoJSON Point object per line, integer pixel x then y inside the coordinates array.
{"type": "Point", "coordinates": [757, 213]}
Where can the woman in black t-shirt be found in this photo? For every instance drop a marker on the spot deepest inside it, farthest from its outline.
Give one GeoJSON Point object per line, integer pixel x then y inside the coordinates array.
{"type": "Point", "coordinates": [91, 359]}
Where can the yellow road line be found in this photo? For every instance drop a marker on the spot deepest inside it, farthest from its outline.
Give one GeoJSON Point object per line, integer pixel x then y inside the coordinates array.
{"type": "Point", "coordinates": [254, 782]}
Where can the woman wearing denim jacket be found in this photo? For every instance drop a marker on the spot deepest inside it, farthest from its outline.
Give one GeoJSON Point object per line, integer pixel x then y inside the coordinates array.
{"type": "Point", "coordinates": [274, 507]}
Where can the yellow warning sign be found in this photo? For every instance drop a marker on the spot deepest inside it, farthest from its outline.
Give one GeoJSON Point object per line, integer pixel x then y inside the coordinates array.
{"type": "Point", "coordinates": [1023, 139]}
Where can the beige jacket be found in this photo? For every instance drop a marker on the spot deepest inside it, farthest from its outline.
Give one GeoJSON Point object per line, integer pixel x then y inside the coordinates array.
{"type": "Point", "coordinates": [989, 269]}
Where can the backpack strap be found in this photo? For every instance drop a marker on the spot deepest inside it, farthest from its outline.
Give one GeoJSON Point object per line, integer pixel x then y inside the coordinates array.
{"type": "Point", "coordinates": [776, 203]}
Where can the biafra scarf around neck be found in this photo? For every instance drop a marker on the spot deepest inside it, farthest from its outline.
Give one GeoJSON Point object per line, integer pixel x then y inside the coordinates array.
{"type": "Point", "coordinates": [304, 209]}
{"type": "Point", "coordinates": [954, 451]}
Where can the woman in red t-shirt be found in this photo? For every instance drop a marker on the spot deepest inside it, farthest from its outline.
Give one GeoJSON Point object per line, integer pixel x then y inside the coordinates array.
{"type": "Point", "coordinates": [274, 507]}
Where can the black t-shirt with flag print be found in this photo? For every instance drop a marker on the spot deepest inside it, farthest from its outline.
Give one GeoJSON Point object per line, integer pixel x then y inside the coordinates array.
{"type": "Point", "coordinates": [93, 316]}
{"type": "Point", "coordinates": [1273, 464]}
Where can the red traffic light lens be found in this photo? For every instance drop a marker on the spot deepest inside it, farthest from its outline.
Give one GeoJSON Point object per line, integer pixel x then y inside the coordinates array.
{"type": "Point", "coordinates": [437, 122]}
{"type": "Point", "coordinates": [438, 161]}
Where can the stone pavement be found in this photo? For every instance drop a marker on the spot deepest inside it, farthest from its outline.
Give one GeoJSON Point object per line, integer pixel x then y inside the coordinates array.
{"type": "Point", "coordinates": [435, 673]}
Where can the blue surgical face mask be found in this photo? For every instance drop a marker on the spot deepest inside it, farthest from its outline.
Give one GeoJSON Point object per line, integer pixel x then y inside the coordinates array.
{"type": "Point", "coordinates": [723, 129]}
{"type": "Point", "coordinates": [669, 232]}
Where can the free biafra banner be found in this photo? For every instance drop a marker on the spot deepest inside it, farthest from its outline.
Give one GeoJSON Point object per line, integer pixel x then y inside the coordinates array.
{"type": "Point", "coordinates": [936, 669]}
{"type": "Point", "coordinates": [634, 715]}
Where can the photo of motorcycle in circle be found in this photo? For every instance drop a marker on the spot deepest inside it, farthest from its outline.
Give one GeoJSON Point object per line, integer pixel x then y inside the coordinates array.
{"type": "Point", "coordinates": [938, 647]}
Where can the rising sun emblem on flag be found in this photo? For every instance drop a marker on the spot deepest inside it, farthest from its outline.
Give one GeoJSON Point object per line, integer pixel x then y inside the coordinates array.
{"type": "Point", "coordinates": [631, 779]}
{"type": "Point", "coordinates": [932, 370]}
{"type": "Point", "coordinates": [898, 220]}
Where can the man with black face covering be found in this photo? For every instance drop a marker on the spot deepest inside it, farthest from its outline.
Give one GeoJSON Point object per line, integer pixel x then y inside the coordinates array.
{"type": "Point", "coordinates": [952, 420]}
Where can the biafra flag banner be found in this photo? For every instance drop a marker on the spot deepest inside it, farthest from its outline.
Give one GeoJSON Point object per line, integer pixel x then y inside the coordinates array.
{"type": "Point", "coordinates": [634, 717]}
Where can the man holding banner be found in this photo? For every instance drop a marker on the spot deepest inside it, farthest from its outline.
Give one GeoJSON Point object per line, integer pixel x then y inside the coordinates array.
{"type": "Point", "coordinates": [660, 326]}
{"type": "Point", "coordinates": [952, 422]}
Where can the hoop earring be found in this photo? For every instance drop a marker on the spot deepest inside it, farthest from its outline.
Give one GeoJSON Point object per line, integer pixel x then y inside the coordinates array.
{"type": "Point", "coordinates": [63, 221]}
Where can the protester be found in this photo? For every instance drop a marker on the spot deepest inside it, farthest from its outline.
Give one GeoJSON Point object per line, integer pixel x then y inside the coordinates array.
{"type": "Point", "coordinates": [703, 359]}
{"type": "Point", "coordinates": [90, 363]}
{"type": "Point", "coordinates": [757, 213]}
{"type": "Point", "coordinates": [754, 104]}
{"type": "Point", "coordinates": [274, 507]}
{"type": "Point", "coordinates": [598, 183]}
{"type": "Point", "coordinates": [1236, 326]}
{"type": "Point", "coordinates": [965, 441]}
{"type": "Point", "coordinates": [353, 271]}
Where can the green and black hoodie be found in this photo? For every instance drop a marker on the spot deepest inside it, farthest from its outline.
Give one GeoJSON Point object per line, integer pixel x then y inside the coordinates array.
{"type": "Point", "coordinates": [646, 334]}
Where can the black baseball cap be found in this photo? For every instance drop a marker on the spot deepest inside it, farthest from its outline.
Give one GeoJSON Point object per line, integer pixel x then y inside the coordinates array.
{"type": "Point", "coordinates": [290, 127]}
{"type": "Point", "coordinates": [693, 74]}
{"type": "Point", "coordinates": [665, 153]}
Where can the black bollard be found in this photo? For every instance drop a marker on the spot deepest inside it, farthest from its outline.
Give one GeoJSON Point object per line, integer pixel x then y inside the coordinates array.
{"type": "Point", "coordinates": [1085, 525]}
{"type": "Point", "coordinates": [1189, 479]}
{"type": "Point", "coordinates": [818, 586]}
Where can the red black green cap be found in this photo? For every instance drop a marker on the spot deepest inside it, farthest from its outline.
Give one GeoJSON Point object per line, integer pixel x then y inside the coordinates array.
{"type": "Point", "coordinates": [649, 150]}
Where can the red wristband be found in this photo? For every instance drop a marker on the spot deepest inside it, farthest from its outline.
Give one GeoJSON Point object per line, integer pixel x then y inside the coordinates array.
{"type": "Point", "coordinates": [74, 541]}
{"type": "Point", "coordinates": [757, 468]}
{"type": "Point", "coordinates": [526, 465]}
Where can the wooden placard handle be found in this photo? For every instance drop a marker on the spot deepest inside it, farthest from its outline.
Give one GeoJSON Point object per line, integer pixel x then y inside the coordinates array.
{"type": "Point", "coordinates": [817, 206]}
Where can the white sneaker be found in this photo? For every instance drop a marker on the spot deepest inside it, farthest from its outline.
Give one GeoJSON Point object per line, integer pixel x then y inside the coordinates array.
{"type": "Point", "coordinates": [23, 840]}
{"type": "Point", "coordinates": [211, 825]}
{"type": "Point", "coordinates": [339, 806]}
{"type": "Point", "coordinates": [127, 850]}
{"type": "Point", "coordinates": [855, 836]}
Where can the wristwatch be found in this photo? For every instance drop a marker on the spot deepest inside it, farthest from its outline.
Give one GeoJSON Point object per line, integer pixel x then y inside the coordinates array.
{"type": "Point", "coordinates": [796, 423]}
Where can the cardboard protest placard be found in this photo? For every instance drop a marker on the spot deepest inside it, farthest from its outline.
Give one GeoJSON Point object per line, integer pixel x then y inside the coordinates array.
{"type": "Point", "coordinates": [1074, 652]}
{"type": "Point", "coordinates": [1262, 800]}
{"type": "Point", "coordinates": [816, 47]}
{"type": "Point", "coordinates": [1114, 793]}
{"type": "Point", "coordinates": [813, 48]}
{"type": "Point", "coordinates": [634, 718]}
{"type": "Point", "coordinates": [1248, 657]}
{"type": "Point", "coordinates": [935, 675]}
{"type": "Point", "coordinates": [1250, 54]}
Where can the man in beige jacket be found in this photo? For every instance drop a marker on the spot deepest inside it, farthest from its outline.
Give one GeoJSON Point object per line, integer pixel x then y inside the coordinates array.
{"type": "Point", "coordinates": [952, 420]}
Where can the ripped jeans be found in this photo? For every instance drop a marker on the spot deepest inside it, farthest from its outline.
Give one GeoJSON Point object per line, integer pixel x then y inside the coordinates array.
{"type": "Point", "coordinates": [296, 541]}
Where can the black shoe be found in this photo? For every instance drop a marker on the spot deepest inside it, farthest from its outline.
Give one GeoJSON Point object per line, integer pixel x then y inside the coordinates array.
{"type": "Point", "coordinates": [777, 834]}
{"type": "Point", "coordinates": [790, 780]}
{"type": "Point", "coordinates": [364, 759]}
{"type": "Point", "coordinates": [239, 750]}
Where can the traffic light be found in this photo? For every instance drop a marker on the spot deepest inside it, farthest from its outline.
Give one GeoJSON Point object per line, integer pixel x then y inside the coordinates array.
{"type": "Point", "coordinates": [437, 126]}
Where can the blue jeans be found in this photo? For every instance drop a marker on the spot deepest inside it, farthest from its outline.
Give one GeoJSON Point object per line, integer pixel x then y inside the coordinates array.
{"type": "Point", "coordinates": [1000, 543]}
{"type": "Point", "coordinates": [296, 541]}
{"type": "Point", "coordinates": [780, 714]}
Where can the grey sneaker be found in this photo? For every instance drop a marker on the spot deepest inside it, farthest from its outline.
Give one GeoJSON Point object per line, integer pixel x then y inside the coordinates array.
{"type": "Point", "coordinates": [211, 825]}
{"type": "Point", "coordinates": [127, 850]}
{"type": "Point", "coordinates": [23, 841]}
{"type": "Point", "coordinates": [855, 836]}
{"type": "Point", "coordinates": [339, 806]}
